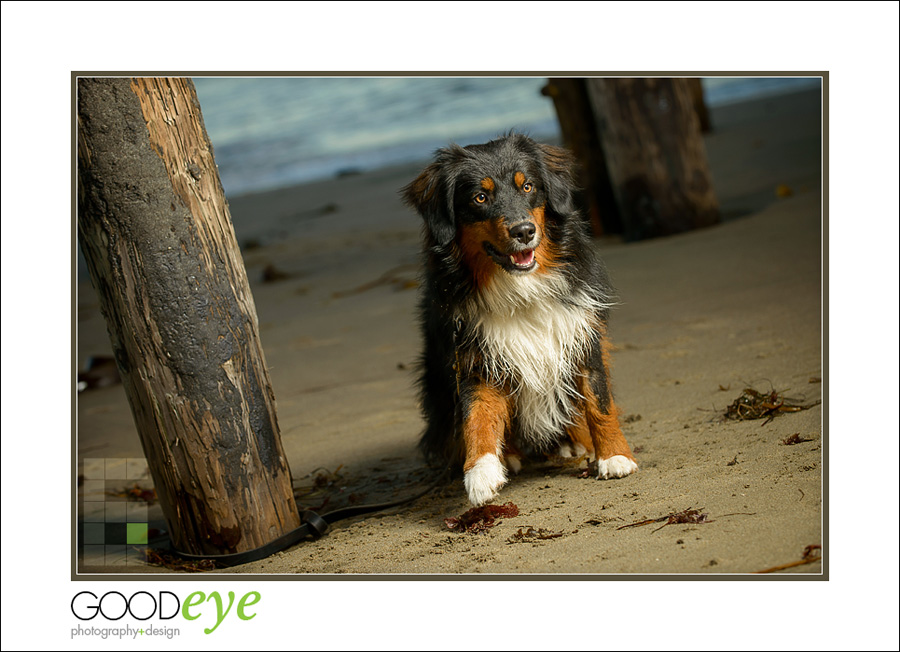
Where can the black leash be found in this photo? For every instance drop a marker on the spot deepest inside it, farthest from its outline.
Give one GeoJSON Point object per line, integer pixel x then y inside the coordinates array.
{"type": "Point", "coordinates": [313, 525]}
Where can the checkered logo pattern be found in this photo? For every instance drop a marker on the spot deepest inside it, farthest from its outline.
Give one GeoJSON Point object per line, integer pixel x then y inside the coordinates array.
{"type": "Point", "coordinates": [114, 515]}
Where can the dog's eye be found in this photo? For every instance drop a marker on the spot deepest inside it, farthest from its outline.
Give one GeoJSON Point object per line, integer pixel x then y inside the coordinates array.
{"type": "Point", "coordinates": [527, 186]}
{"type": "Point", "coordinates": [480, 198]}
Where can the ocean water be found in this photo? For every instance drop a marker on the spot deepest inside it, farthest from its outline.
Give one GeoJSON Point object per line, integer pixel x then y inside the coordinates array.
{"type": "Point", "coordinates": [270, 132]}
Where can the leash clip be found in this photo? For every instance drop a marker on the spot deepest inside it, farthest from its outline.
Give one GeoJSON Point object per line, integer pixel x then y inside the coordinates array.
{"type": "Point", "coordinates": [317, 525]}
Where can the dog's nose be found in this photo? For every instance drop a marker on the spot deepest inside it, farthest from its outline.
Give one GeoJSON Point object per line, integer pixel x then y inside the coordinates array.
{"type": "Point", "coordinates": [523, 232]}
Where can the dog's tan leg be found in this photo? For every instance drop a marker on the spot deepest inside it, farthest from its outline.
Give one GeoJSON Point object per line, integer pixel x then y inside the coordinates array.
{"type": "Point", "coordinates": [580, 440]}
{"type": "Point", "coordinates": [611, 451]}
{"type": "Point", "coordinates": [486, 420]}
{"type": "Point", "coordinates": [614, 457]}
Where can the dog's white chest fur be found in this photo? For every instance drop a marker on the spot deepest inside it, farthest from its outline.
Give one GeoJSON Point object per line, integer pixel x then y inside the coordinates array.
{"type": "Point", "coordinates": [535, 343]}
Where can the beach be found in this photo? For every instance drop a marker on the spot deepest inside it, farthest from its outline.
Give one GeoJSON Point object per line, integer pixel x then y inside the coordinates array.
{"type": "Point", "coordinates": [702, 316]}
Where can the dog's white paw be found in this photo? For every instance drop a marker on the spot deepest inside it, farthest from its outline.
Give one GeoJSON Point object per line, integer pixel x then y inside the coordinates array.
{"type": "Point", "coordinates": [513, 462]}
{"type": "Point", "coordinates": [617, 466]}
{"type": "Point", "coordinates": [484, 480]}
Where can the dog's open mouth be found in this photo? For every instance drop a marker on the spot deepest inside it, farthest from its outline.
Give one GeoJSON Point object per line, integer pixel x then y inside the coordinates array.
{"type": "Point", "coordinates": [516, 261]}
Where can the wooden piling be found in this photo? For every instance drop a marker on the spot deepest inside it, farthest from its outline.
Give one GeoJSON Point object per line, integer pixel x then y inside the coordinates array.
{"type": "Point", "coordinates": [156, 232]}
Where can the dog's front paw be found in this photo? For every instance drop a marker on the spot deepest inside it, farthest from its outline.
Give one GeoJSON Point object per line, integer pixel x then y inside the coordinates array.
{"type": "Point", "coordinates": [484, 480]}
{"type": "Point", "coordinates": [617, 466]}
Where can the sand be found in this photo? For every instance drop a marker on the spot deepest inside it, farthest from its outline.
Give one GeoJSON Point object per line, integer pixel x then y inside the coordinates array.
{"type": "Point", "coordinates": [701, 316]}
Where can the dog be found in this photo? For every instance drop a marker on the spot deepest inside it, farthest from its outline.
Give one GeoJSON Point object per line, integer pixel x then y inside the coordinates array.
{"type": "Point", "coordinates": [513, 312]}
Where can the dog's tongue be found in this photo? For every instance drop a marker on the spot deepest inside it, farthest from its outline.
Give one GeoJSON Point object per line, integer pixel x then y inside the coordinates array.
{"type": "Point", "coordinates": [522, 258]}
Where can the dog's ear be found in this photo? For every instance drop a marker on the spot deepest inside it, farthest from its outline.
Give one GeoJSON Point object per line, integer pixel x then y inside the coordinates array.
{"type": "Point", "coordinates": [558, 167]}
{"type": "Point", "coordinates": [431, 194]}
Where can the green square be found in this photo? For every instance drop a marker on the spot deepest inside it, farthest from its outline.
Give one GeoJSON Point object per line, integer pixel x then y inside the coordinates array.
{"type": "Point", "coordinates": [137, 533]}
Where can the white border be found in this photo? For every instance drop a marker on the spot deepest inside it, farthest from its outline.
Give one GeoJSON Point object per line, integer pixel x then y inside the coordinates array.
{"type": "Point", "coordinates": [857, 44]}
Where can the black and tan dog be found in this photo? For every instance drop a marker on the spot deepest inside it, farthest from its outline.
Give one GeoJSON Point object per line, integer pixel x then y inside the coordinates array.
{"type": "Point", "coordinates": [514, 314]}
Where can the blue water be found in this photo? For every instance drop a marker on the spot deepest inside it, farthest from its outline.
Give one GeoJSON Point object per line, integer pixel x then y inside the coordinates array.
{"type": "Point", "coordinates": [270, 132]}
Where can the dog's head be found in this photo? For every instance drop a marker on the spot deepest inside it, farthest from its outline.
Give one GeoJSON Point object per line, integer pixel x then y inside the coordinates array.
{"type": "Point", "coordinates": [496, 201]}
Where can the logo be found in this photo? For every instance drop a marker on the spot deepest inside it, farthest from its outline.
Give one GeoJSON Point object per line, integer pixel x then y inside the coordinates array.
{"type": "Point", "coordinates": [87, 606]}
{"type": "Point", "coordinates": [165, 605]}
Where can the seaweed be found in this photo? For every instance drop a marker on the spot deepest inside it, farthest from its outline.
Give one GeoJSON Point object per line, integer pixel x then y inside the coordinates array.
{"type": "Point", "coordinates": [591, 470]}
{"type": "Point", "coordinates": [810, 555]}
{"type": "Point", "coordinates": [480, 519]}
{"type": "Point", "coordinates": [272, 274]}
{"type": "Point", "coordinates": [794, 439]}
{"type": "Point", "coordinates": [690, 516]}
{"type": "Point", "coordinates": [753, 404]}
{"type": "Point", "coordinates": [530, 534]}
{"type": "Point", "coordinates": [684, 516]}
{"type": "Point", "coordinates": [322, 479]}
{"type": "Point", "coordinates": [136, 494]}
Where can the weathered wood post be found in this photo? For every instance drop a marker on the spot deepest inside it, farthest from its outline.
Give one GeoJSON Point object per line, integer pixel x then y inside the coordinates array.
{"type": "Point", "coordinates": [695, 85]}
{"type": "Point", "coordinates": [579, 132]}
{"type": "Point", "coordinates": [655, 154]}
{"type": "Point", "coordinates": [156, 233]}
